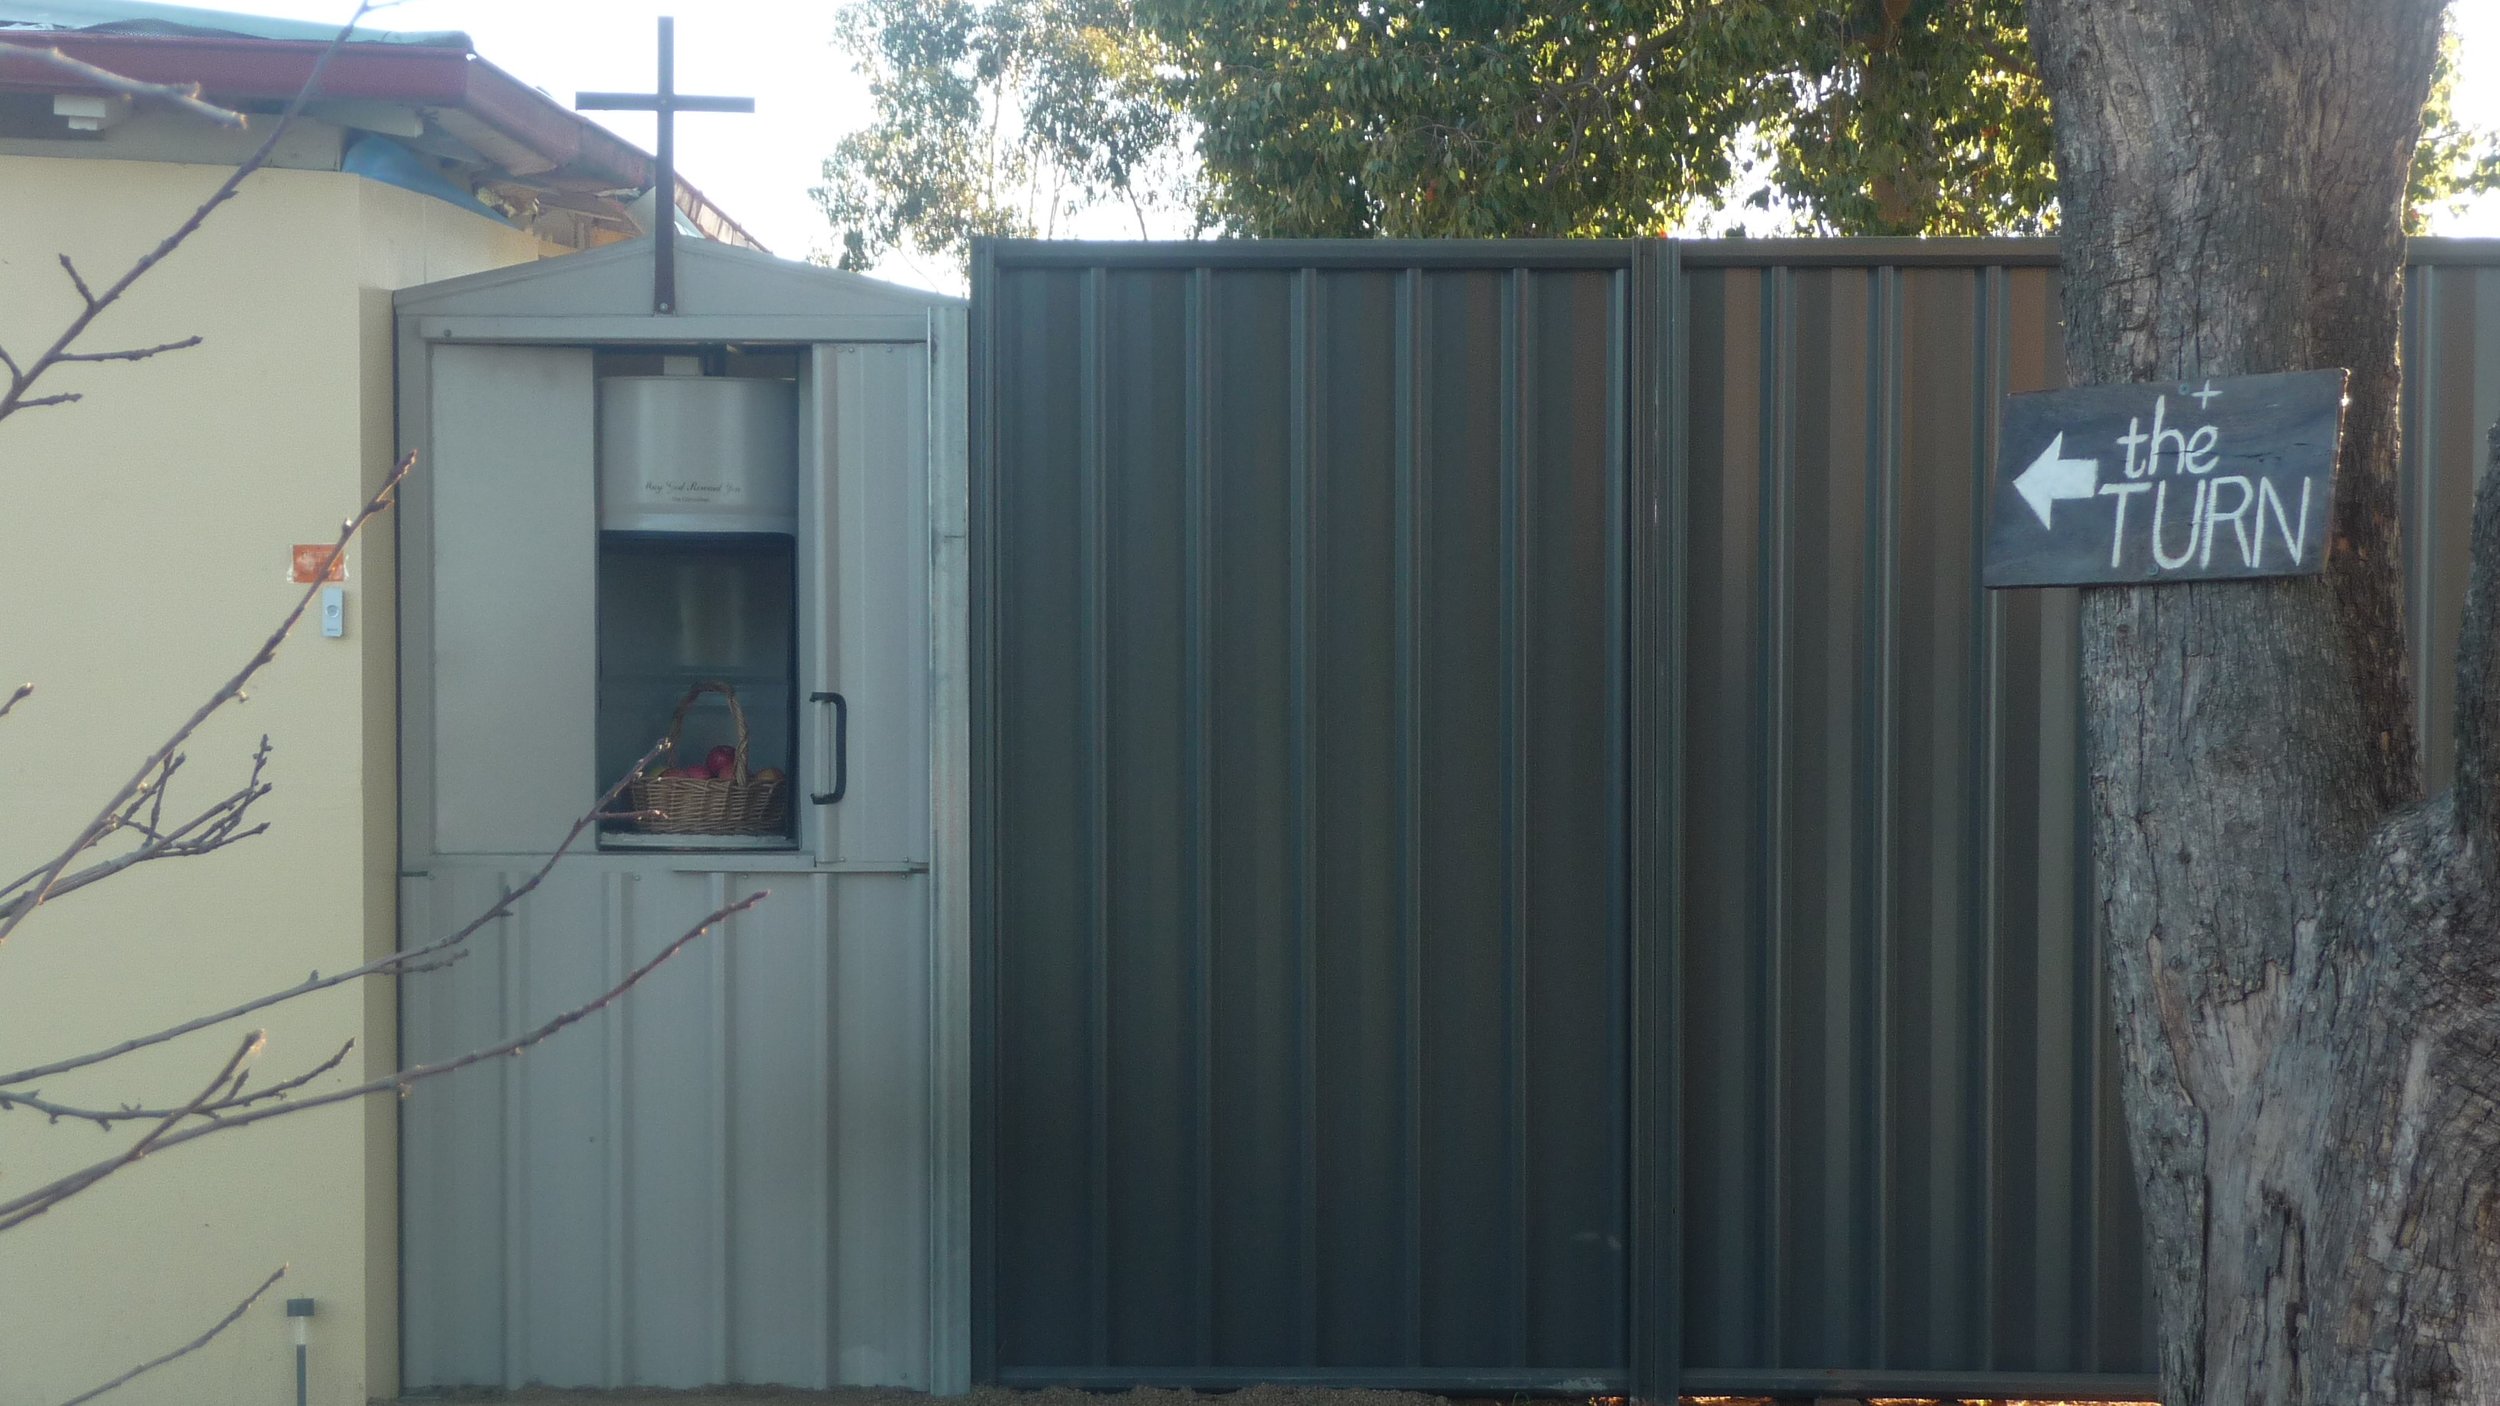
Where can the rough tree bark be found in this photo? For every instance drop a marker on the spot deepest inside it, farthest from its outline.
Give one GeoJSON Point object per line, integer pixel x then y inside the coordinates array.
{"type": "Point", "coordinates": [2301, 950]}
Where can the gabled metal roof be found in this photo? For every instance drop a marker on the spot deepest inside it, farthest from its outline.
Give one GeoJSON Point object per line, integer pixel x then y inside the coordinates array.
{"type": "Point", "coordinates": [715, 283]}
{"type": "Point", "coordinates": [138, 17]}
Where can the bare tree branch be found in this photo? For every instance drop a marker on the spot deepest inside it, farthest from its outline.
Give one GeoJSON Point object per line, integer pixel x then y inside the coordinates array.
{"type": "Point", "coordinates": [43, 1198]}
{"type": "Point", "coordinates": [431, 957]}
{"type": "Point", "coordinates": [77, 281]}
{"type": "Point", "coordinates": [16, 696]}
{"type": "Point", "coordinates": [17, 394]}
{"type": "Point", "coordinates": [23, 1208]}
{"type": "Point", "coordinates": [33, 1102]}
{"type": "Point", "coordinates": [134, 353]}
{"type": "Point", "coordinates": [183, 97]}
{"type": "Point", "coordinates": [217, 825]}
{"type": "Point", "coordinates": [233, 1316]}
{"type": "Point", "coordinates": [227, 692]}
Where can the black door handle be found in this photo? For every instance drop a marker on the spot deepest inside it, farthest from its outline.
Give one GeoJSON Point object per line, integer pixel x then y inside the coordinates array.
{"type": "Point", "coordinates": [841, 748]}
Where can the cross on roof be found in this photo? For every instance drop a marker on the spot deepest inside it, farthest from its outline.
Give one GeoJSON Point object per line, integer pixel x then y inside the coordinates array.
{"type": "Point", "coordinates": [667, 102]}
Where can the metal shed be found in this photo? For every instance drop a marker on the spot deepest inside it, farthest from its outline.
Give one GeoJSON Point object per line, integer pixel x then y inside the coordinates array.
{"type": "Point", "coordinates": [756, 1168]}
{"type": "Point", "coordinates": [1511, 850]}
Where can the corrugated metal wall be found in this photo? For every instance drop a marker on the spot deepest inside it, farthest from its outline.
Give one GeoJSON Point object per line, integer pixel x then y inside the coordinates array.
{"type": "Point", "coordinates": [2452, 400]}
{"type": "Point", "coordinates": [1901, 1150]}
{"type": "Point", "coordinates": [1306, 951]}
{"type": "Point", "coordinates": [722, 1178]}
{"type": "Point", "coordinates": [1864, 1079]}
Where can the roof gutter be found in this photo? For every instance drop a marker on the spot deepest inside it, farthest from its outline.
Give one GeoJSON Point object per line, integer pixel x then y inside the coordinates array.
{"type": "Point", "coordinates": [524, 128]}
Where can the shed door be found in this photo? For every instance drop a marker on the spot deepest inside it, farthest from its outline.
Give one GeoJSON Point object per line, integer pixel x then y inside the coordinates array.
{"type": "Point", "coordinates": [868, 603]}
{"type": "Point", "coordinates": [1304, 965]}
{"type": "Point", "coordinates": [500, 739]}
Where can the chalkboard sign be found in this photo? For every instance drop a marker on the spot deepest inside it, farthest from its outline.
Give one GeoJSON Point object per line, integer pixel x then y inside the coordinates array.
{"type": "Point", "coordinates": [2150, 484]}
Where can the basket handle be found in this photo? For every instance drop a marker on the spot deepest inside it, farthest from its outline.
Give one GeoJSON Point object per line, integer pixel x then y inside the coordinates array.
{"type": "Point", "coordinates": [738, 715]}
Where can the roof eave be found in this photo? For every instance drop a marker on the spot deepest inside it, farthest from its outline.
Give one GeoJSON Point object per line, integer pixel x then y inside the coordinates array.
{"type": "Point", "coordinates": [568, 148]}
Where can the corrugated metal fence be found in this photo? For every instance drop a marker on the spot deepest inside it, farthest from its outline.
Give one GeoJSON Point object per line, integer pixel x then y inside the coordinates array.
{"type": "Point", "coordinates": [1512, 849]}
{"type": "Point", "coordinates": [1308, 1041]}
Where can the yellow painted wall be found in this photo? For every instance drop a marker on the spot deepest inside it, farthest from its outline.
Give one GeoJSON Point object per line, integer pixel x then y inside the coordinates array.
{"type": "Point", "coordinates": [144, 537]}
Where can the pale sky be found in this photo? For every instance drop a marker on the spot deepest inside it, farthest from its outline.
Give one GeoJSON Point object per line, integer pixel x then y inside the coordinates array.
{"type": "Point", "coordinates": [780, 53]}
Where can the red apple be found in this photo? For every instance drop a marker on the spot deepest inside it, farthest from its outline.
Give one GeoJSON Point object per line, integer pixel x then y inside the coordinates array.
{"type": "Point", "coordinates": [721, 760]}
{"type": "Point", "coordinates": [686, 773]}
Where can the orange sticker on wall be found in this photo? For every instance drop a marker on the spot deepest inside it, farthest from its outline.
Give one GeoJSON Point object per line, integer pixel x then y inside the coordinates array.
{"type": "Point", "coordinates": [308, 559]}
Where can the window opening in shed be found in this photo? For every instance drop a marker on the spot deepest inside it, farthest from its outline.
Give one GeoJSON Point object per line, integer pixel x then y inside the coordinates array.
{"type": "Point", "coordinates": [697, 597]}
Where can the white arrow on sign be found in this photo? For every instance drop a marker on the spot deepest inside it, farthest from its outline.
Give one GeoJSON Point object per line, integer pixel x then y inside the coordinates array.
{"type": "Point", "coordinates": [2052, 477]}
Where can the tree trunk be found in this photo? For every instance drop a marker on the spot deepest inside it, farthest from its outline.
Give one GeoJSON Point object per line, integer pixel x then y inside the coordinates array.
{"type": "Point", "coordinates": [2300, 951]}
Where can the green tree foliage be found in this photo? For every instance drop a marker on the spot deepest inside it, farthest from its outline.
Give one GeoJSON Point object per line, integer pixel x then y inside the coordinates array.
{"type": "Point", "coordinates": [1609, 117]}
{"type": "Point", "coordinates": [2453, 161]}
{"type": "Point", "coordinates": [1429, 118]}
{"type": "Point", "coordinates": [997, 117]}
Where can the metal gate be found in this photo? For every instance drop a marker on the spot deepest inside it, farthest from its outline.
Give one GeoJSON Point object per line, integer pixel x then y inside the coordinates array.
{"type": "Point", "coordinates": [1306, 876]}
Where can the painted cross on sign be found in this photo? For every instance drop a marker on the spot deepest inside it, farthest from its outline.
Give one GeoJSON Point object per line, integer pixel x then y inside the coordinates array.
{"type": "Point", "coordinates": [2150, 484]}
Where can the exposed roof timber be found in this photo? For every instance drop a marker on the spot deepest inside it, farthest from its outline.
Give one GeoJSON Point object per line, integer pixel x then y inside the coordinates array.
{"type": "Point", "coordinates": [510, 123]}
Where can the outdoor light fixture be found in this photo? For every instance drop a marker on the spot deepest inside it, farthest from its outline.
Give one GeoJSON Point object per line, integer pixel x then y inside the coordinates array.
{"type": "Point", "coordinates": [301, 1312]}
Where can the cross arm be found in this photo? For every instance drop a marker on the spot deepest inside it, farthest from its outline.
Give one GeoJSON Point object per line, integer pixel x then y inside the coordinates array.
{"type": "Point", "coordinates": [650, 102]}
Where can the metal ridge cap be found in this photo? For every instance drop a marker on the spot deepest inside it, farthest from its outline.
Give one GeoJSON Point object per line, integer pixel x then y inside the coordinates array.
{"type": "Point", "coordinates": [1958, 251]}
{"type": "Point", "coordinates": [2452, 249]}
{"type": "Point", "coordinates": [1314, 253]}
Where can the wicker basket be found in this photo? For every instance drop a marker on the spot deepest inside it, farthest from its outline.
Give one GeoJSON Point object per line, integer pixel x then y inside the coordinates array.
{"type": "Point", "coordinates": [736, 804]}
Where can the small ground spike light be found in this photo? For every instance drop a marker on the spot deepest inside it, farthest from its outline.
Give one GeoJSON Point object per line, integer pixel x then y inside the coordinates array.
{"type": "Point", "coordinates": [300, 1312]}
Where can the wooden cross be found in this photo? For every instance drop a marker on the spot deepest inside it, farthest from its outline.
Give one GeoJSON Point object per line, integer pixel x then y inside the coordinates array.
{"type": "Point", "coordinates": [667, 102]}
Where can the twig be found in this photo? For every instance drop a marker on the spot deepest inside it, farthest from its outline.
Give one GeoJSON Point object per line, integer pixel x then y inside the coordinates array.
{"type": "Point", "coordinates": [227, 692]}
{"type": "Point", "coordinates": [26, 1207]}
{"type": "Point", "coordinates": [431, 957]}
{"type": "Point", "coordinates": [134, 353]}
{"type": "Point", "coordinates": [233, 1315]}
{"type": "Point", "coordinates": [217, 825]}
{"type": "Point", "coordinates": [70, 266]}
{"type": "Point", "coordinates": [17, 395]}
{"type": "Point", "coordinates": [33, 1102]}
{"type": "Point", "coordinates": [43, 1198]}
{"type": "Point", "coordinates": [184, 97]}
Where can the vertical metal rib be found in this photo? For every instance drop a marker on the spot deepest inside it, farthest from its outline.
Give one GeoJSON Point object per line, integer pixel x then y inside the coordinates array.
{"type": "Point", "coordinates": [717, 943]}
{"type": "Point", "coordinates": [1635, 677]}
{"type": "Point", "coordinates": [824, 976]}
{"type": "Point", "coordinates": [1990, 334]}
{"type": "Point", "coordinates": [1304, 508]}
{"type": "Point", "coordinates": [1096, 574]}
{"type": "Point", "coordinates": [2092, 985]}
{"type": "Point", "coordinates": [1883, 563]}
{"type": "Point", "coordinates": [1517, 357]}
{"type": "Point", "coordinates": [2418, 468]}
{"type": "Point", "coordinates": [1669, 697]}
{"type": "Point", "coordinates": [1198, 740]}
{"type": "Point", "coordinates": [1776, 405]}
{"type": "Point", "coordinates": [1413, 503]}
{"type": "Point", "coordinates": [617, 921]}
{"type": "Point", "coordinates": [513, 1002]}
